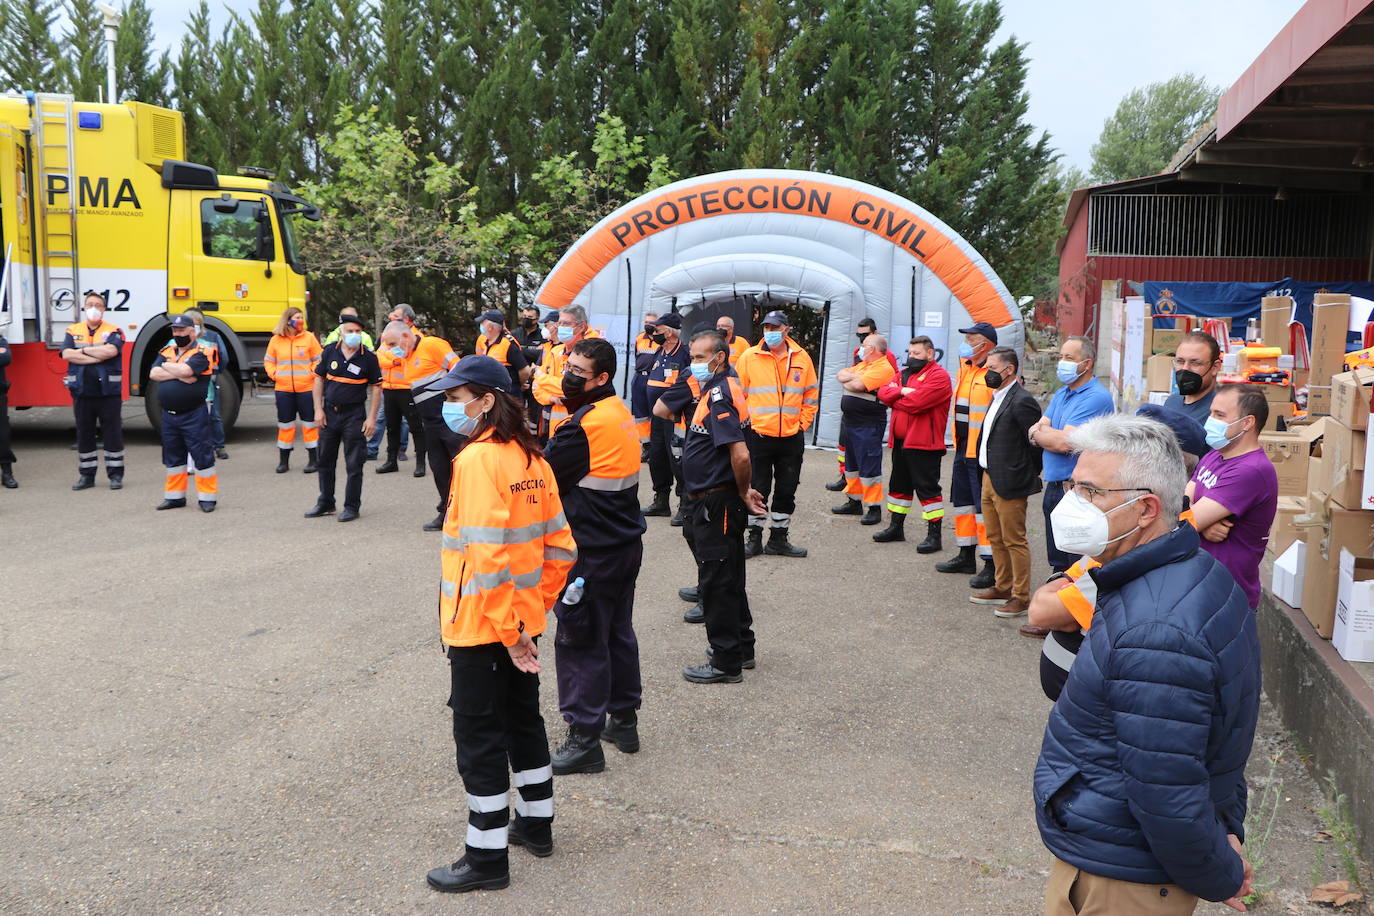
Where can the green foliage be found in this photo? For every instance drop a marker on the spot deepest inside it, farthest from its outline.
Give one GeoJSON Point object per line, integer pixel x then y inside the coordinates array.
{"type": "Point", "coordinates": [1260, 820]}
{"type": "Point", "coordinates": [83, 52]}
{"type": "Point", "coordinates": [28, 54]}
{"type": "Point", "coordinates": [141, 75]}
{"type": "Point", "coordinates": [1150, 125]}
{"type": "Point", "coordinates": [1340, 824]}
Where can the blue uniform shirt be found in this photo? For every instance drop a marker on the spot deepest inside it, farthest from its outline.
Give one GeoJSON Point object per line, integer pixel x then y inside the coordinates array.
{"type": "Point", "coordinates": [1073, 407]}
{"type": "Point", "coordinates": [1199, 410]}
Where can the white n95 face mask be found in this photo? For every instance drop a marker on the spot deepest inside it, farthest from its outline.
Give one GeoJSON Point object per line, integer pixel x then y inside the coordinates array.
{"type": "Point", "coordinates": [1080, 527]}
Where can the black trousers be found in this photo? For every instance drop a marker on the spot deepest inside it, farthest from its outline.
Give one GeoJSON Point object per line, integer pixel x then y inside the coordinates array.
{"type": "Point", "coordinates": [715, 532]}
{"type": "Point", "coordinates": [595, 649]}
{"type": "Point", "coordinates": [497, 731]}
{"type": "Point", "coordinates": [441, 447]}
{"type": "Point", "coordinates": [665, 465]}
{"type": "Point", "coordinates": [915, 472]}
{"type": "Point", "coordinates": [344, 426]}
{"type": "Point", "coordinates": [399, 405]}
{"type": "Point", "coordinates": [777, 463]}
{"type": "Point", "coordinates": [1059, 560]}
{"type": "Point", "coordinates": [6, 449]}
{"type": "Point", "coordinates": [103, 410]}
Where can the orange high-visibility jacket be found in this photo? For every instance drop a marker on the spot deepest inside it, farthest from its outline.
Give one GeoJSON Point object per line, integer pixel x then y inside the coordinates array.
{"type": "Point", "coordinates": [737, 347]}
{"type": "Point", "coordinates": [507, 547]}
{"type": "Point", "coordinates": [428, 362]}
{"type": "Point", "coordinates": [971, 401]}
{"type": "Point", "coordinates": [393, 369]}
{"type": "Point", "coordinates": [1079, 597]}
{"type": "Point", "coordinates": [290, 361]}
{"type": "Point", "coordinates": [783, 394]}
{"type": "Point", "coordinates": [548, 382]}
{"type": "Point", "coordinates": [498, 351]}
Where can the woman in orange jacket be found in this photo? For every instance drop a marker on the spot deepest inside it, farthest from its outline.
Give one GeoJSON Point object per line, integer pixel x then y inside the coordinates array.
{"type": "Point", "coordinates": [290, 363]}
{"type": "Point", "coordinates": [507, 549]}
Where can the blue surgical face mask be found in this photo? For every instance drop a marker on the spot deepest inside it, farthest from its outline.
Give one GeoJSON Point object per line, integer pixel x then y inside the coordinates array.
{"type": "Point", "coordinates": [702, 371]}
{"type": "Point", "coordinates": [1067, 371]}
{"type": "Point", "coordinates": [565, 333]}
{"type": "Point", "coordinates": [456, 417]}
{"type": "Point", "coordinates": [772, 338]}
{"type": "Point", "coordinates": [398, 352]}
{"type": "Point", "coordinates": [965, 351]}
{"type": "Point", "coordinates": [353, 340]}
{"type": "Point", "coordinates": [1216, 432]}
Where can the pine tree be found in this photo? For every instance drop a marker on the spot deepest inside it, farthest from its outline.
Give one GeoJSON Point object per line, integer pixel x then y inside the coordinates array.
{"type": "Point", "coordinates": [83, 58]}
{"type": "Point", "coordinates": [142, 77]}
{"type": "Point", "coordinates": [29, 58]}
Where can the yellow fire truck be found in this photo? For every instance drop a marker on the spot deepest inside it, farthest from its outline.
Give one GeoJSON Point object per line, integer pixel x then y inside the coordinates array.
{"type": "Point", "coordinates": [97, 197]}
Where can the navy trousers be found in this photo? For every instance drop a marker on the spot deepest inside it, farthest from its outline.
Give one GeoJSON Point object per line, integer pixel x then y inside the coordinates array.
{"type": "Point", "coordinates": [595, 649]}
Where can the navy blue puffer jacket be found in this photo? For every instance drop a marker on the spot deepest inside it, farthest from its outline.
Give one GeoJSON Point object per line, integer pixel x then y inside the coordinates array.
{"type": "Point", "coordinates": [1142, 771]}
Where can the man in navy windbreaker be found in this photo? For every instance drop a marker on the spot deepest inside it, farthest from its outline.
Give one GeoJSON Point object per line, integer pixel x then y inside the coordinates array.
{"type": "Point", "coordinates": [1140, 786]}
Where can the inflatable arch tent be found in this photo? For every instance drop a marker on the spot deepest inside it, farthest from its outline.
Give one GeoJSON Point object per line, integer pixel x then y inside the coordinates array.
{"type": "Point", "coordinates": [783, 239]}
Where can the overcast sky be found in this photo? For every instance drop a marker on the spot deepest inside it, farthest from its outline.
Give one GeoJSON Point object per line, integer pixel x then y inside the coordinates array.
{"type": "Point", "coordinates": [1085, 54]}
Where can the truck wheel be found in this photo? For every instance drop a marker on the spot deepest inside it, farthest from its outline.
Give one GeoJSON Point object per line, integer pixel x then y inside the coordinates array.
{"type": "Point", "coordinates": [152, 407]}
{"type": "Point", "coordinates": [230, 398]}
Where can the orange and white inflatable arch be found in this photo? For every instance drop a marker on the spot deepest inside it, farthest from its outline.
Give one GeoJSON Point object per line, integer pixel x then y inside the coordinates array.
{"type": "Point", "coordinates": [801, 238]}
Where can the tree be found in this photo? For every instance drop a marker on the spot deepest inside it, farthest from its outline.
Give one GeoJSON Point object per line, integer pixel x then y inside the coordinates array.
{"type": "Point", "coordinates": [141, 76]}
{"type": "Point", "coordinates": [1150, 125]}
{"type": "Point", "coordinates": [28, 54]}
{"type": "Point", "coordinates": [83, 52]}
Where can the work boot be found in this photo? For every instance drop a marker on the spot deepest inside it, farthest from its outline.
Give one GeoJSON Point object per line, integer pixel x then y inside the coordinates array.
{"type": "Point", "coordinates": [388, 466]}
{"type": "Point", "coordinates": [84, 482]}
{"type": "Point", "coordinates": [580, 753]}
{"type": "Point", "coordinates": [963, 562]}
{"type": "Point", "coordinates": [690, 594]}
{"type": "Point", "coordinates": [283, 460]}
{"type": "Point", "coordinates": [622, 730]}
{"type": "Point", "coordinates": [851, 507]}
{"type": "Point", "coordinates": [461, 877]}
{"type": "Point", "coordinates": [222, 453]}
{"type": "Point", "coordinates": [697, 614]}
{"type": "Point", "coordinates": [779, 546]}
{"type": "Point", "coordinates": [838, 485]}
{"type": "Point", "coordinates": [986, 577]}
{"type": "Point", "coordinates": [659, 507]}
{"type": "Point", "coordinates": [419, 465]}
{"type": "Point", "coordinates": [117, 482]}
{"type": "Point", "coordinates": [436, 525]}
{"type": "Point", "coordinates": [7, 476]}
{"type": "Point", "coordinates": [522, 833]}
{"type": "Point", "coordinates": [932, 542]}
{"type": "Point", "coordinates": [753, 542]}
{"type": "Point", "coordinates": [207, 507]}
{"type": "Point", "coordinates": [680, 517]}
{"type": "Point", "coordinates": [895, 530]}
{"type": "Point", "coordinates": [170, 504]}
{"type": "Point", "coordinates": [310, 465]}
{"type": "Point", "coordinates": [320, 508]}
{"type": "Point", "coordinates": [710, 674]}
{"type": "Point", "coordinates": [873, 515]}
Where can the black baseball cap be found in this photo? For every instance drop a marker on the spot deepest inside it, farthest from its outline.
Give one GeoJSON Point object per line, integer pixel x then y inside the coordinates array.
{"type": "Point", "coordinates": [551, 316]}
{"type": "Point", "coordinates": [348, 318]}
{"type": "Point", "coordinates": [477, 370]}
{"type": "Point", "coordinates": [670, 320]}
{"type": "Point", "coordinates": [182, 321]}
{"type": "Point", "coordinates": [983, 328]}
{"type": "Point", "coordinates": [493, 315]}
{"type": "Point", "coordinates": [778, 318]}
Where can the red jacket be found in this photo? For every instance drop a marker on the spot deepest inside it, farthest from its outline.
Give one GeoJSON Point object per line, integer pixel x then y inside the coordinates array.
{"type": "Point", "coordinates": [919, 418]}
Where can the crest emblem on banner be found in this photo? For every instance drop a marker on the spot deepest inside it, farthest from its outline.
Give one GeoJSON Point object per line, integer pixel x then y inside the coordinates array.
{"type": "Point", "coordinates": [1165, 304]}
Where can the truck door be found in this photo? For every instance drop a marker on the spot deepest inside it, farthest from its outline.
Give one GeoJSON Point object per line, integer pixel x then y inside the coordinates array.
{"type": "Point", "coordinates": [240, 272]}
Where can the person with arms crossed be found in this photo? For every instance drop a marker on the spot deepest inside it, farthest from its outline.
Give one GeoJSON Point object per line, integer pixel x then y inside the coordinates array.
{"type": "Point", "coordinates": [182, 371]}
{"type": "Point", "coordinates": [863, 420]}
{"type": "Point", "coordinates": [920, 412]}
{"type": "Point", "coordinates": [94, 351]}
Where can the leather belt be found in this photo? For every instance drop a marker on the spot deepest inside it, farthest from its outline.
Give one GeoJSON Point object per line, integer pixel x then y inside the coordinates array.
{"type": "Point", "coordinates": [700, 493]}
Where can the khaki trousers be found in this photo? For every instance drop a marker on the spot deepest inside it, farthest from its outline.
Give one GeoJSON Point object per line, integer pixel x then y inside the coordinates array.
{"type": "Point", "coordinates": [1006, 525]}
{"type": "Point", "coordinates": [1073, 892]}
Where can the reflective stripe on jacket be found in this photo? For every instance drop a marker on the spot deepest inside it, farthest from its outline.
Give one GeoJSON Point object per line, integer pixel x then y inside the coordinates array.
{"type": "Point", "coordinates": [595, 458]}
{"type": "Point", "coordinates": [783, 395]}
{"type": "Point", "coordinates": [428, 362]}
{"type": "Point", "coordinates": [971, 401]}
{"type": "Point", "coordinates": [507, 547]}
{"type": "Point", "coordinates": [290, 361]}
{"type": "Point", "coordinates": [110, 372]}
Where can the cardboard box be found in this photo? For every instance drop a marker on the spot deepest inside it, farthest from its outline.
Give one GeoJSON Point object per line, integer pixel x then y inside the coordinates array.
{"type": "Point", "coordinates": [1328, 529]}
{"type": "Point", "coordinates": [1352, 634]}
{"type": "Point", "coordinates": [1291, 453]}
{"type": "Point", "coordinates": [1330, 324]}
{"type": "Point", "coordinates": [1165, 340]}
{"type": "Point", "coordinates": [1319, 400]}
{"type": "Point", "coordinates": [1367, 496]}
{"type": "Point", "coordinates": [1350, 393]}
{"type": "Point", "coordinates": [1289, 571]}
{"type": "Point", "coordinates": [1275, 315]}
{"type": "Point", "coordinates": [1282, 533]}
{"type": "Point", "coordinates": [1343, 464]}
{"type": "Point", "coordinates": [1159, 372]}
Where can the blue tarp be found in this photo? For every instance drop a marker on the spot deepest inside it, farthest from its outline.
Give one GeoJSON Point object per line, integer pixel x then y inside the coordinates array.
{"type": "Point", "coordinates": [1240, 302]}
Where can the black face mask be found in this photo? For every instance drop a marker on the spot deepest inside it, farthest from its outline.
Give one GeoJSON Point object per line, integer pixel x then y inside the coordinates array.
{"type": "Point", "coordinates": [573, 385]}
{"type": "Point", "coordinates": [649, 329]}
{"type": "Point", "coordinates": [182, 342]}
{"type": "Point", "coordinates": [657, 338]}
{"type": "Point", "coordinates": [916, 365]}
{"type": "Point", "coordinates": [1189, 382]}
{"type": "Point", "coordinates": [993, 379]}
{"type": "Point", "coordinates": [526, 322]}
{"type": "Point", "coordinates": [862, 335]}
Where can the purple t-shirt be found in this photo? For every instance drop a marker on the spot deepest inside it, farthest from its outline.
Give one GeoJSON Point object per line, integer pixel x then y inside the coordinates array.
{"type": "Point", "coordinates": [1249, 488]}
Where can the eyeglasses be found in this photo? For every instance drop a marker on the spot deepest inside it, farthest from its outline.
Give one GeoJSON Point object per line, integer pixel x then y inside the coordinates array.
{"type": "Point", "coordinates": [584, 373]}
{"type": "Point", "coordinates": [1196, 365]}
{"type": "Point", "coordinates": [1086, 492]}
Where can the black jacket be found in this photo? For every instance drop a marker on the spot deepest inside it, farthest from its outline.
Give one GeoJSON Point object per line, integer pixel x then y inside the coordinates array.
{"type": "Point", "coordinates": [1013, 463]}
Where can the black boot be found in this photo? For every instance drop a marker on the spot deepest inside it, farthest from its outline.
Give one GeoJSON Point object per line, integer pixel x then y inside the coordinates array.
{"type": "Point", "coordinates": [461, 877]}
{"type": "Point", "coordinates": [283, 460]}
{"type": "Point", "coordinates": [872, 515]}
{"type": "Point", "coordinates": [7, 476]}
{"type": "Point", "coordinates": [697, 614]}
{"type": "Point", "coordinates": [435, 524]}
{"type": "Point", "coordinates": [580, 753]}
{"type": "Point", "coordinates": [753, 542]}
{"type": "Point", "coordinates": [388, 466]}
{"type": "Point", "coordinates": [310, 465]}
{"type": "Point", "coordinates": [84, 482]}
{"type": "Point", "coordinates": [932, 542]}
{"type": "Point", "coordinates": [622, 730]}
{"type": "Point", "coordinates": [680, 517]}
{"type": "Point", "coordinates": [838, 485]}
{"type": "Point", "coordinates": [963, 562]}
{"type": "Point", "coordinates": [987, 576]}
{"type": "Point", "coordinates": [690, 594]}
{"type": "Point", "coordinates": [779, 546]}
{"type": "Point", "coordinates": [851, 507]}
{"type": "Point", "coordinates": [659, 507]}
{"type": "Point", "coordinates": [419, 465]}
{"type": "Point", "coordinates": [895, 530]}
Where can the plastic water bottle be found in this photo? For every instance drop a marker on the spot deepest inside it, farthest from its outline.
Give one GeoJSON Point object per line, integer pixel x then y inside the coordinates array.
{"type": "Point", "coordinates": [573, 593]}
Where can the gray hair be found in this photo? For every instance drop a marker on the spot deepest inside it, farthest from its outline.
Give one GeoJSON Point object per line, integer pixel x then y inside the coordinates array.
{"type": "Point", "coordinates": [575, 312]}
{"type": "Point", "coordinates": [397, 327]}
{"type": "Point", "coordinates": [406, 311]}
{"type": "Point", "coordinates": [1150, 456]}
{"type": "Point", "coordinates": [1088, 349]}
